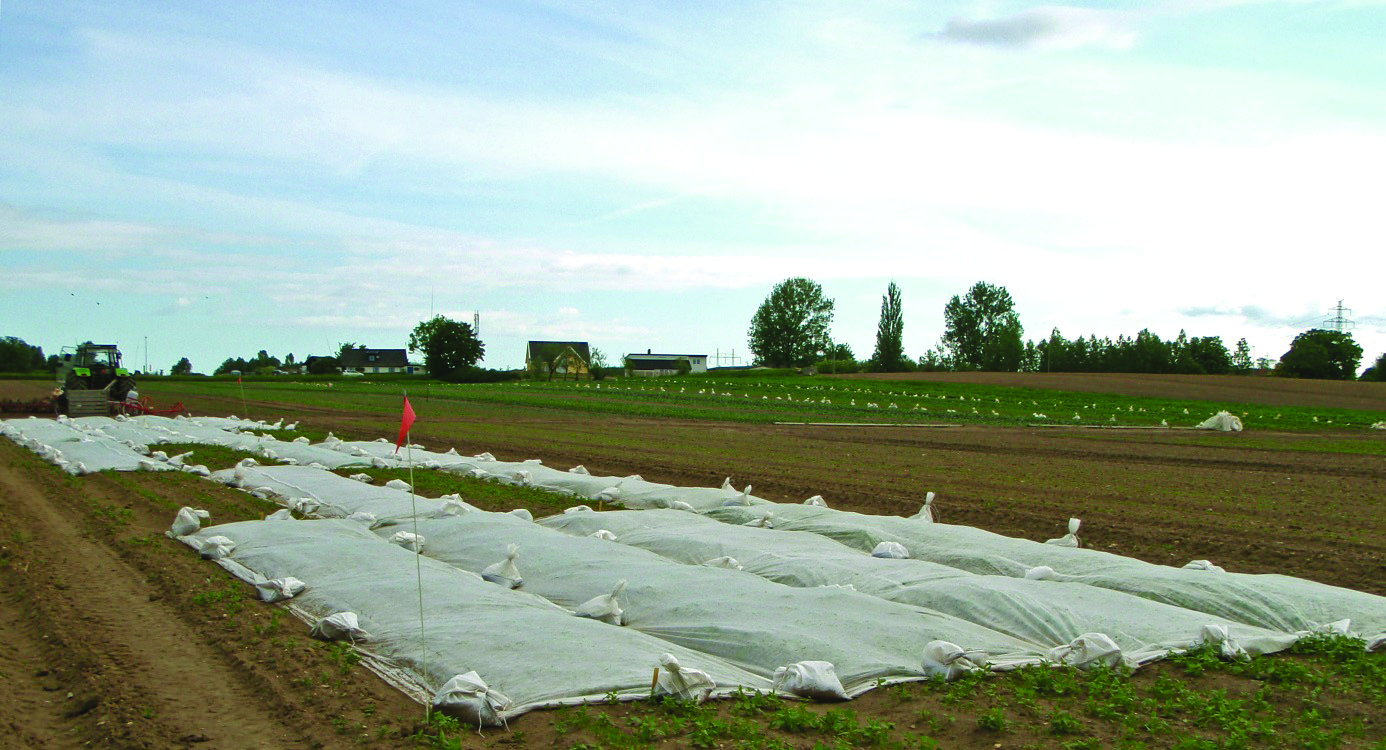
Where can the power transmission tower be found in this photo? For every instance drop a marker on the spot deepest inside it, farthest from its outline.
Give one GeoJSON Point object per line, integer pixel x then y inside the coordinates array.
{"type": "Point", "coordinates": [476, 323]}
{"type": "Point", "coordinates": [1339, 322]}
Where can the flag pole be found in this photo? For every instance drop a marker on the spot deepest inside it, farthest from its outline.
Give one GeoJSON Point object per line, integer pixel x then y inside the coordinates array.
{"type": "Point", "coordinates": [418, 550]}
{"type": "Point", "coordinates": [244, 408]}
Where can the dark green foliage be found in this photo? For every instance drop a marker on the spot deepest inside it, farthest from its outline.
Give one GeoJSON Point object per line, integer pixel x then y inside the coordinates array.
{"type": "Point", "coordinates": [1146, 353]}
{"type": "Point", "coordinates": [18, 356]}
{"type": "Point", "coordinates": [262, 363]}
{"type": "Point", "coordinates": [1321, 355]}
{"type": "Point", "coordinates": [449, 347]}
{"type": "Point", "coordinates": [1377, 372]}
{"type": "Point", "coordinates": [183, 367]}
{"type": "Point", "coordinates": [1241, 359]}
{"type": "Point", "coordinates": [323, 365]}
{"type": "Point", "coordinates": [890, 348]}
{"type": "Point", "coordinates": [791, 325]}
{"type": "Point", "coordinates": [982, 331]}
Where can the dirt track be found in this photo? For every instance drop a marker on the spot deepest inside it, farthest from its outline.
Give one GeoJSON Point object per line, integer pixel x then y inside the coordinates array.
{"type": "Point", "coordinates": [102, 647]}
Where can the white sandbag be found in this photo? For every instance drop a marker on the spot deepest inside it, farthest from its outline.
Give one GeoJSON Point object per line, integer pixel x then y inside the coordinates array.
{"type": "Point", "coordinates": [504, 572]}
{"type": "Point", "coordinates": [926, 511]}
{"type": "Point", "coordinates": [723, 562]}
{"type": "Point", "coordinates": [765, 521]}
{"type": "Point", "coordinates": [1071, 538]}
{"type": "Point", "coordinates": [468, 698]}
{"type": "Point", "coordinates": [342, 626]}
{"type": "Point", "coordinates": [1218, 635]}
{"type": "Point", "coordinates": [279, 589]}
{"type": "Point", "coordinates": [364, 478]}
{"type": "Point", "coordinates": [947, 660]}
{"type": "Point", "coordinates": [684, 683]}
{"type": "Point", "coordinates": [579, 469]}
{"type": "Point", "coordinates": [604, 535]}
{"type": "Point", "coordinates": [399, 484]}
{"type": "Point", "coordinates": [408, 540]}
{"type": "Point", "coordinates": [216, 547]}
{"type": "Point", "coordinates": [814, 680]}
{"type": "Point", "coordinates": [743, 499]}
{"type": "Point", "coordinates": [1204, 565]}
{"type": "Point", "coordinates": [681, 505]}
{"type": "Point", "coordinates": [606, 608]}
{"type": "Point", "coordinates": [188, 521]}
{"type": "Point", "coordinates": [891, 551]}
{"type": "Point", "coordinates": [820, 502]}
{"type": "Point", "coordinates": [1222, 422]}
{"type": "Point", "coordinates": [1089, 650]}
{"type": "Point", "coordinates": [522, 513]}
{"type": "Point", "coordinates": [362, 516]}
{"type": "Point", "coordinates": [578, 509]}
{"type": "Point", "coordinates": [283, 514]}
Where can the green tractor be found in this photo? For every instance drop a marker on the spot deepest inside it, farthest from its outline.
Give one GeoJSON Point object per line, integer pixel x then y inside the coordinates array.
{"type": "Point", "coordinates": [90, 378]}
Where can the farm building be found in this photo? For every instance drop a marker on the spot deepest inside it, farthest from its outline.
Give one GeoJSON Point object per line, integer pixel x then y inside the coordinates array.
{"type": "Point", "coordinates": [561, 359]}
{"type": "Point", "coordinates": [653, 365]}
{"type": "Point", "coordinates": [379, 361]}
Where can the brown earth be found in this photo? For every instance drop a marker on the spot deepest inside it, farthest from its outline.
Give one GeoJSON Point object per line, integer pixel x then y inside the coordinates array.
{"type": "Point", "coordinates": [115, 636]}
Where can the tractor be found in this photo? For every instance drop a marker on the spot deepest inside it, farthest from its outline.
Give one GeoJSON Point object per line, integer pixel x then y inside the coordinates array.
{"type": "Point", "coordinates": [90, 378]}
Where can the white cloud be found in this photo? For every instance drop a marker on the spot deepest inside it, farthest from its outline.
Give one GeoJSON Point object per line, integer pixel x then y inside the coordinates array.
{"type": "Point", "coordinates": [1052, 27]}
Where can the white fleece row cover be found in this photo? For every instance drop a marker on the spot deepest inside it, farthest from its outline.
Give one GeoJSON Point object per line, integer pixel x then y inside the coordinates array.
{"type": "Point", "coordinates": [1052, 615]}
{"type": "Point", "coordinates": [531, 651]}
{"type": "Point", "coordinates": [88, 444]}
{"type": "Point", "coordinates": [311, 490]}
{"type": "Point", "coordinates": [746, 620]}
{"type": "Point", "coordinates": [1275, 602]}
{"type": "Point", "coordinates": [630, 492]}
{"type": "Point", "coordinates": [79, 449]}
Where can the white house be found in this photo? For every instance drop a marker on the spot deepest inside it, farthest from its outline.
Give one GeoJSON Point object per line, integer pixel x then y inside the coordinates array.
{"type": "Point", "coordinates": [650, 364]}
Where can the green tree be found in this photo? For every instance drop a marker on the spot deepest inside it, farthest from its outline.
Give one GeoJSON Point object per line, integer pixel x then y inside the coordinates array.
{"type": "Point", "coordinates": [18, 356]}
{"type": "Point", "coordinates": [1322, 355]}
{"type": "Point", "coordinates": [347, 346]}
{"type": "Point", "coordinates": [791, 325]}
{"type": "Point", "coordinates": [597, 367]}
{"type": "Point", "coordinates": [182, 368]}
{"type": "Point", "coordinates": [449, 346]}
{"type": "Point", "coordinates": [1377, 372]}
{"type": "Point", "coordinates": [323, 365]}
{"type": "Point", "coordinates": [982, 331]}
{"type": "Point", "coordinates": [1241, 358]}
{"type": "Point", "coordinates": [890, 330]}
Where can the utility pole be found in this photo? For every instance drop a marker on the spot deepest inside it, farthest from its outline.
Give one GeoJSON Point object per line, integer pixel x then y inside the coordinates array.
{"type": "Point", "coordinates": [476, 323]}
{"type": "Point", "coordinates": [1339, 322]}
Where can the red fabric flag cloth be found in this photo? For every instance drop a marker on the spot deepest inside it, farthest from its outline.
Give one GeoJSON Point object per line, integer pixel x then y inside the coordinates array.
{"type": "Point", "coordinates": [406, 421]}
{"type": "Point", "coordinates": [238, 378]}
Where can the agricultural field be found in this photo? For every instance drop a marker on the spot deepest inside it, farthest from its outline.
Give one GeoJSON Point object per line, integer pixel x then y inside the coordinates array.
{"type": "Point", "coordinates": [123, 638]}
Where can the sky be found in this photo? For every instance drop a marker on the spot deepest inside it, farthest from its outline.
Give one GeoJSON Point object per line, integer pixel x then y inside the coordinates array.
{"type": "Point", "coordinates": [209, 179]}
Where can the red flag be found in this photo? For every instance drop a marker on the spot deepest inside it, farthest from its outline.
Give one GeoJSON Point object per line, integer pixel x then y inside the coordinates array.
{"type": "Point", "coordinates": [406, 421]}
{"type": "Point", "coordinates": [238, 378]}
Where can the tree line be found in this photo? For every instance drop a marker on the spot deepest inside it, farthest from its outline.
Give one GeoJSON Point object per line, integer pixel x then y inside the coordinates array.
{"type": "Point", "coordinates": [982, 331]}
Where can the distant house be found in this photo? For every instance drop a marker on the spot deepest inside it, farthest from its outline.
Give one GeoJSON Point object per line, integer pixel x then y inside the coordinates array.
{"type": "Point", "coordinates": [561, 359]}
{"type": "Point", "coordinates": [372, 361]}
{"type": "Point", "coordinates": [650, 364]}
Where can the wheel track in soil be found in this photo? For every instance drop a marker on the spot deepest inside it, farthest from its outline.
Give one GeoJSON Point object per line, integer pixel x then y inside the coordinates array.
{"type": "Point", "coordinates": [132, 651]}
